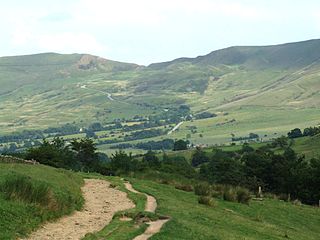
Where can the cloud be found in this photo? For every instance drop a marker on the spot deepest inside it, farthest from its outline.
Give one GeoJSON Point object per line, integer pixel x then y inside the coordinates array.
{"type": "Point", "coordinates": [20, 35]}
{"type": "Point", "coordinates": [69, 42]}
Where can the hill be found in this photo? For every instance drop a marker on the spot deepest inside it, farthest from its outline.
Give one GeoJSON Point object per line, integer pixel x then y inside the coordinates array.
{"type": "Point", "coordinates": [267, 219]}
{"type": "Point", "coordinates": [32, 194]}
{"type": "Point", "coordinates": [250, 89]}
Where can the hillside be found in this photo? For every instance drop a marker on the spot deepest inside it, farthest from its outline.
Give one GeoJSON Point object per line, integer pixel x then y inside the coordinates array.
{"type": "Point", "coordinates": [33, 194]}
{"type": "Point", "coordinates": [267, 219]}
{"type": "Point", "coordinates": [251, 89]}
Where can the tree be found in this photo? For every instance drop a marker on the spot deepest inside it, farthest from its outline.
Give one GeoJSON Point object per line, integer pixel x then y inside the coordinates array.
{"type": "Point", "coordinates": [151, 160]}
{"type": "Point", "coordinates": [199, 157]}
{"type": "Point", "coordinates": [122, 162]}
{"type": "Point", "coordinates": [295, 133]}
{"type": "Point", "coordinates": [281, 142]}
{"type": "Point", "coordinates": [180, 145]}
{"type": "Point", "coordinates": [85, 152]}
{"type": "Point", "coordinates": [54, 153]}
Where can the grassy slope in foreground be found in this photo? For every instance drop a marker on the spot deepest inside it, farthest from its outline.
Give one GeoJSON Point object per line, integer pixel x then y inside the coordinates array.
{"type": "Point", "coordinates": [19, 217]}
{"type": "Point", "coordinates": [268, 219]}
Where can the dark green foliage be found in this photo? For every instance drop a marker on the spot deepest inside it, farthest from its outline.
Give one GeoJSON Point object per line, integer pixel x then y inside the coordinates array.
{"type": "Point", "coordinates": [151, 160]}
{"type": "Point", "coordinates": [250, 137]}
{"type": "Point", "coordinates": [246, 148]}
{"type": "Point", "coordinates": [178, 165]}
{"type": "Point", "coordinates": [156, 145]}
{"type": "Point", "coordinates": [79, 155]}
{"type": "Point", "coordinates": [311, 131]}
{"type": "Point", "coordinates": [199, 157]}
{"type": "Point", "coordinates": [281, 142]}
{"type": "Point", "coordinates": [295, 133]}
{"type": "Point", "coordinates": [85, 152]}
{"type": "Point", "coordinates": [123, 163]}
{"type": "Point", "coordinates": [54, 153]}
{"type": "Point", "coordinates": [180, 145]}
{"type": "Point", "coordinates": [204, 115]}
{"type": "Point", "coordinates": [223, 168]}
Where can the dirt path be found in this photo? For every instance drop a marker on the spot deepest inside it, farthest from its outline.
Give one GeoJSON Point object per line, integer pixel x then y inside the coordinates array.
{"type": "Point", "coordinates": [101, 202]}
{"type": "Point", "coordinates": [151, 206]}
{"type": "Point", "coordinates": [175, 128]}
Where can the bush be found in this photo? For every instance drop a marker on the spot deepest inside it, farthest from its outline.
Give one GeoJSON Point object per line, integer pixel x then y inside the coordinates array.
{"type": "Point", "coordinates": [202, 189]}
{"type": "Point", "coordinates": [209, 201]}
{"type": "Point", "coordinates": [164, 181]}
{"type": "Point", "coordinates": [297, 202]}
{"type": "Point", "coordinates": [229, 194]}
{"type": "Point", "coordinates": [216, 194]}
{"type": "Point", "coordinates": [184, 187]}
{"type": "Point", "coordinates": [243, 195]}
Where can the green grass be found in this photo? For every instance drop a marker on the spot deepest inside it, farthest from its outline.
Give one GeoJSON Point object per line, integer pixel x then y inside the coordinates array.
{"type": "Point", "coordinates": [309, 146]}
{"type": "Point", "coordinates": [268, 219]}
{"type": "Point", "coordinates": [32, 194]}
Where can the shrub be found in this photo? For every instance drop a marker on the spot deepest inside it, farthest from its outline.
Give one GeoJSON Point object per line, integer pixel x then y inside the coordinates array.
{"type": "Point", "coordinates": [229, 194]}
{"type": "Point", "coordinates": [209, 201]}
{"type": "Point", "coordinates": [184, 187]}
{"type": "Point", "coordinates": [164, 181]}
{"type": "Point", "coordinates": [216, 194]}
{"type": "Point", "coordinates": [202, 189]}
{"type": "Point", "coordinates": [243, 195]}
{"type": "Point", "coordinates": [297, 202]}
{"type": "Point", "coordinates": [218, 188]}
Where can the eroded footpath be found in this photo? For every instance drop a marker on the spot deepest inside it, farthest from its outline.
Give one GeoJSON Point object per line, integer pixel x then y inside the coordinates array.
{"type": "Point", "coordinates": [101, 203]}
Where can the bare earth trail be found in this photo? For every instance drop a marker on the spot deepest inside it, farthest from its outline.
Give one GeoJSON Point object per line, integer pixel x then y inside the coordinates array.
{"type": "Point", "coordinates": [101, 203]}
{"type": "Point", "coordinates": [151, 206]}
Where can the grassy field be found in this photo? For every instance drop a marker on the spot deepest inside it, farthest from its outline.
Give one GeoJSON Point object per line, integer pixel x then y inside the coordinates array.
{"type": "Point", "coordinates": [51, 193]}
{"type": "Point", "coordinates": [268, 219]}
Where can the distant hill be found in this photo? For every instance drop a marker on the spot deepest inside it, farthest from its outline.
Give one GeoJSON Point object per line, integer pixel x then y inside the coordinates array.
{"type": "Point", "coordinates": [40, 68]}
{"type": "Point", "coordinates": [248, 82]}
{"type": "Point", "coordinates": [283, 56]}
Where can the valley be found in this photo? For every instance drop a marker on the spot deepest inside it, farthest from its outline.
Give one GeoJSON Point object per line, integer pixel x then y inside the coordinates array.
{"type": "Point", "coordinates": [248, 89]}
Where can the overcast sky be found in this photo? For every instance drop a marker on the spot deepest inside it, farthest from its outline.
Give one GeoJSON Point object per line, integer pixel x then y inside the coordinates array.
{"type": "Point", "coordinates": [146, 31]}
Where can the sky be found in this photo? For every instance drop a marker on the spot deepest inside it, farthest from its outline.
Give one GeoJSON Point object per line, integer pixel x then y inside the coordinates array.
{"type": "Point", "coordinates": [148, 31]}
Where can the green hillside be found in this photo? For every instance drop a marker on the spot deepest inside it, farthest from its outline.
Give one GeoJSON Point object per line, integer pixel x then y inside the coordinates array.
{"type": "Point", "coordinates": [267, 219]}
{"type": "Point", "coordinates": [267, 90]}
{"type": "Point", "coordinates": [32, 194]}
